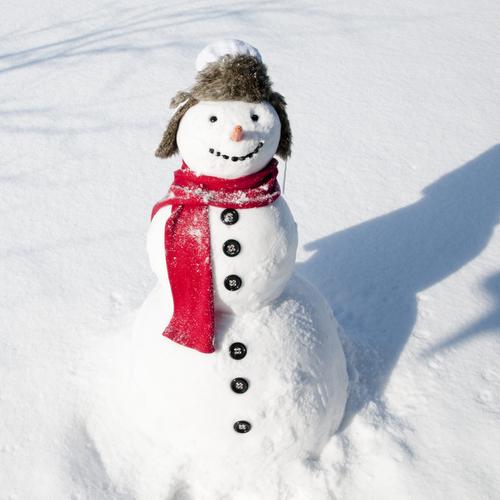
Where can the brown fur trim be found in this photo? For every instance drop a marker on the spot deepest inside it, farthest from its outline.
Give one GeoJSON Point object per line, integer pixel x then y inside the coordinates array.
{"type": "Point", "coordinates": [168, 145]}
{"type": "Point", "coordinates": [179, 98]}
{"type": "Point", "coordinates": [233, 78]}
{"type": "Point", "coordinates": [277, 101]}
{"type": "Point", "coordinates": [230, 78]}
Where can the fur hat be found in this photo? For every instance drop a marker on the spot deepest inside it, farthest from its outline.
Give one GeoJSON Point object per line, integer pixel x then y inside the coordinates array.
{"type": "Point", "coordinates": [239, 77]}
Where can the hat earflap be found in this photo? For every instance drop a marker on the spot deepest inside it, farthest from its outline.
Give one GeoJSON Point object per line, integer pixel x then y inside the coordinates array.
{"type": "Point", "coordinates": [168, 145]}
{"type": "Point", "coordinates": [277, 101]}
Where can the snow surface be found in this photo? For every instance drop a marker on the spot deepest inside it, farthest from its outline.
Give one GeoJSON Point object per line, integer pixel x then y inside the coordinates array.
{"type": "Point", "coordinates": [393, 182]}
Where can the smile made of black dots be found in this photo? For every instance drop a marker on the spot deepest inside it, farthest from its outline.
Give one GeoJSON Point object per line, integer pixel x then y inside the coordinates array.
{"type": "Point", "coordinates": [236, 158]}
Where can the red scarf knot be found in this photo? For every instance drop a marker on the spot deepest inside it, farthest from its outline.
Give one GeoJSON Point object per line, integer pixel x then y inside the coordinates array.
{"type": "Point", "coordinates": [187, 244]}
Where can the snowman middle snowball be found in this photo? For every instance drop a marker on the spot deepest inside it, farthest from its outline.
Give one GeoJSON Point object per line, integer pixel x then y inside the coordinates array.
{"type": "Point", "coordinates": [208, 145]}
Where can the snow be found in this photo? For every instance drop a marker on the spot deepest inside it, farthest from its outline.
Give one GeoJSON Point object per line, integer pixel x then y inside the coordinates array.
{"type": "Point", "coordinates": [393, 182]}
{"type": "Point", "coordinates": [232, 47]}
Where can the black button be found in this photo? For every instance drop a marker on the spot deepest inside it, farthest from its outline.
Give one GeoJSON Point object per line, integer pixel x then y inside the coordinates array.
{"type": "Point", "coordinates": [237, 350]}
{"type": "Point", "coordinates": [239, 385]}
{"type": "Point", "coordinates": [229, 216]}
{"type": "Point", "coordinates": [231, 248]}
{"type": "Point", "coordinates": [232, 282]}
{"type": "Point", "coordinates": [242, 426]}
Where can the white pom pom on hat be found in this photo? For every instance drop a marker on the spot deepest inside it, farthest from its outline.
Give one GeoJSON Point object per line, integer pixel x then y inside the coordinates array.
{"type": "Point", "coordinates": [232, 47]}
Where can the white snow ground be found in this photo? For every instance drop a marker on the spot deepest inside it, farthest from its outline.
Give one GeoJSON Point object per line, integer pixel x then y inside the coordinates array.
{"type": "Point", "coordinates": [394, 183]}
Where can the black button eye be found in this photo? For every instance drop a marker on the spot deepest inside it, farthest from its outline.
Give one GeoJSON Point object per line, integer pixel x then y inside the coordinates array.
{"type": "Point", "coordinates": [255, 118]}
{"type": "Point", "coordinates": [213, 119]}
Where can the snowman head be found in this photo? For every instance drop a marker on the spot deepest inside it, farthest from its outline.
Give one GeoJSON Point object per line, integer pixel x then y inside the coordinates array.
{"type": "Point", "coordinates": [230, 123]}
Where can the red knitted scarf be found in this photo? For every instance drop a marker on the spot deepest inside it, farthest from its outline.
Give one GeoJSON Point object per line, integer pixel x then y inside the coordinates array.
{"type": "Point", "coordinates": [187, 244]}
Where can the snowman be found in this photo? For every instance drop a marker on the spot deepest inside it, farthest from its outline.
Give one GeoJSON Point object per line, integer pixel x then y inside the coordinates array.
{"type": "Point", "coordinates": [235, 356]}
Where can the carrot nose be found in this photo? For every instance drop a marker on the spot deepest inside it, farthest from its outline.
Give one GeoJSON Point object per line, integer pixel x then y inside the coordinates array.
{"type": "Point", "coordinates": [237, 133]}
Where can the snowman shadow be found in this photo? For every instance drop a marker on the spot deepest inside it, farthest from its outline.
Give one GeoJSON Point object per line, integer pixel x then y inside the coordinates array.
{"type": "Point", "coordinates": [483, 325]}
{"type": "Point", "coordinates": [371, 273]}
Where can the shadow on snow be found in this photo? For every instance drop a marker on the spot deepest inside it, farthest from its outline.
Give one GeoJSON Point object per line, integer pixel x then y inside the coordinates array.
{"type": "Point", "coordinates": [372, 272]}
{"type": "Point", "coordinates": [113, 30]}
